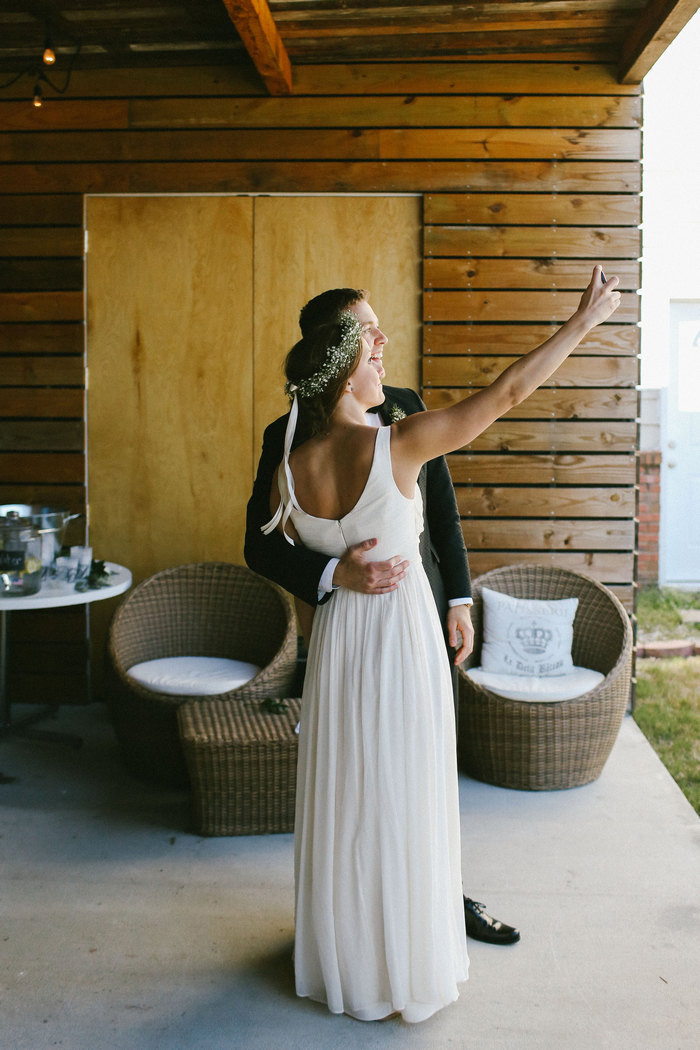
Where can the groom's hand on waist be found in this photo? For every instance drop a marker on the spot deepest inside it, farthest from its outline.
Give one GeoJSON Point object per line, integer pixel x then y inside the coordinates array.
{"type": "Point", "coordinates": [354, 572]}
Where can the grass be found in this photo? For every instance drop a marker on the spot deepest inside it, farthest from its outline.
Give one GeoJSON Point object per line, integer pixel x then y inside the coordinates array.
{"type": "Point", "coordinates": [668, 691]}
{"type": "Point", "coordinates": [668, 713]}
{"type": "Point", "coordinates": [659, 614]}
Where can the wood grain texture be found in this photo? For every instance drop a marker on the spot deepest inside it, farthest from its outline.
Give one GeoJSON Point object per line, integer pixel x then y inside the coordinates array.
{"type": "Point", "coordinates": [549, 534]}
{"type": "Point", "coordinates": [606, 567]}
{"type": "Point", "coordinates": [480, 370]}
{"type": "Point", "coordinates": [524, 435]}
{"type": "Point", "coordinates": [36, 371]}
{"type": "Point", "coordinates": [42, 338]}
{"type": "Point", "coordinates": [486, 144]}
{"type": "Point", "coordinates": [469, 468]}
{"type": "Point", "coordinates": [509, 305]}
{"type": "Point", "coordinates": [479, 76]}
{"type": "Point", "coordinates": [559, 241]}
{"type": "Point", "coordinates": [28, 468]}
{"type": "Point", "coordinates": [608, 339]}
{"type": "Point", "coordinates": [530, 209]}
{"type": "Point", "coordinates": [305, 245]}
{"type": "Point", "coordinates": [555, 403]}
{"type": "Point", "coordinates": [171, 367]}
{"type": "Point", "coordinates": [551, 272]}
{"type": "Point", "coordinates": [347, 175]}
{"type": "Point", "coordinates": [369, 111]}
{"type": "Point", "coordinates": [529, 172]}
{"type": "Point", "coordinates": [497, 501]}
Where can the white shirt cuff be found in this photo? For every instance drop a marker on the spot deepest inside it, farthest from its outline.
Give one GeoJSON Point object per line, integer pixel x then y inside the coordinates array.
{"type": "Point", "coordinates": [459, 601]}
{"type": "Point", "coordinates": [325, 584]}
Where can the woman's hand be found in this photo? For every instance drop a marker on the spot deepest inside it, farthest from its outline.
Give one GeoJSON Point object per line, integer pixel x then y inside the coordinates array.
{"type": "Point", "coordinates": [599, 300]}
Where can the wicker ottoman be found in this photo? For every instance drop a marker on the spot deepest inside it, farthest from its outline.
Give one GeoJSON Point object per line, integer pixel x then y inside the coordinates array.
{"type": "Point", "coordinates": [242, 762]}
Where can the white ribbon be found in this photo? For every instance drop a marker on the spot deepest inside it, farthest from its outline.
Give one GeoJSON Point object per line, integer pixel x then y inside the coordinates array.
{"type": "Point", "coordinates": [283, 512]}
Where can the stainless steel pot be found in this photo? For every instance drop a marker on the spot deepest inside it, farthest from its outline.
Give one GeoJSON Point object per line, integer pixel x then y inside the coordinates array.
{"type": "Point", "coordinates": [20, 556]}
{"type": "Point", "coordinates": [50, 523]}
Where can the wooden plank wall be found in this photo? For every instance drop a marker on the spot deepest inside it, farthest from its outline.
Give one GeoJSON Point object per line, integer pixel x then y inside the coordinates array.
{"type": "Point", "coordinates": [530, 171]}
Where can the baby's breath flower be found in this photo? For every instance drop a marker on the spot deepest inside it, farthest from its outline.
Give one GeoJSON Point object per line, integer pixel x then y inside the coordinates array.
{"type": "Point", "coordinates": [337, 357]}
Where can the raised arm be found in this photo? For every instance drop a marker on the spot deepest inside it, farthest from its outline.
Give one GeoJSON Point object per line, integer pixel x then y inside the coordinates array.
{"type": "Point", "coordinates": [426, 435]}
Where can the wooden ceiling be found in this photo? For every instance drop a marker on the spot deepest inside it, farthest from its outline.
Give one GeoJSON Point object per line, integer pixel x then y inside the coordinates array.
{"type": "Point", "coordinates": [278, 35]}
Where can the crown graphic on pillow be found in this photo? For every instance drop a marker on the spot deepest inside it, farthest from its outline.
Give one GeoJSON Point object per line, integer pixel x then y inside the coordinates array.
{"type": "Point", "coordinates": [533, 639]}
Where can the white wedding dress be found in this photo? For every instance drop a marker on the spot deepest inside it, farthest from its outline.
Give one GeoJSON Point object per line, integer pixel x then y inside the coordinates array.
{"type": "Point", "coordinates": [379, 912]}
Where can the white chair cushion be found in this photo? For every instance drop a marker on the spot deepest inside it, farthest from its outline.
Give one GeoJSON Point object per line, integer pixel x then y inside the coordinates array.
{"type": "Point", "coordinates": [537, 689]}
{"type": "Point", "coordinates": [527, 636]}
{"type": "Point", "coordinates": [192, 675]}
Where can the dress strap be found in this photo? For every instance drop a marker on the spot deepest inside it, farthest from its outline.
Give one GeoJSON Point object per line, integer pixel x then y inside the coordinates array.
{"type": "Point", "coordinates": [285, 507]}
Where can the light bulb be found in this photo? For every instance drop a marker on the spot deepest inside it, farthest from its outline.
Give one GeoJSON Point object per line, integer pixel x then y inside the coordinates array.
{"type": "Point", "coordinates": [37, 100]}
{"type": "Point", "coordinates": [49, 56]}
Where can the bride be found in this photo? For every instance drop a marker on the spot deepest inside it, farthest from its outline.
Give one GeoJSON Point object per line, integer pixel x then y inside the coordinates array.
{"type": "Point", "coordinates": [379, 913]}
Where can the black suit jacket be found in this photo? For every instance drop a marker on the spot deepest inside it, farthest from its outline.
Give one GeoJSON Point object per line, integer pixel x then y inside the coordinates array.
{"type": "Point", "coordinates": [299, 569]}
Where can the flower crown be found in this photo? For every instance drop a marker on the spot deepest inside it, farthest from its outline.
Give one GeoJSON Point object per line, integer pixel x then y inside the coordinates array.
{"type": "Point", "coordinates": [337, 357]}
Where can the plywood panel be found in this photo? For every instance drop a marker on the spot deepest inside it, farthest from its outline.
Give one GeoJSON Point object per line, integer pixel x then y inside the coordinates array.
{"type": "Point", "coordinates": [305, 245]}
{"type": "Point", "coordinates": [170, 399]}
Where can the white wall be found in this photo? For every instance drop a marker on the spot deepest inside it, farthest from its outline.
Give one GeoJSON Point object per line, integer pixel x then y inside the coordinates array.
{"type": "Point", "coordinates": [671, 195]}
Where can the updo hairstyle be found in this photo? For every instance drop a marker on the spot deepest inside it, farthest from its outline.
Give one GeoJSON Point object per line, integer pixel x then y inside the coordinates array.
{"type": "Point", "coordinates": [304, 360]}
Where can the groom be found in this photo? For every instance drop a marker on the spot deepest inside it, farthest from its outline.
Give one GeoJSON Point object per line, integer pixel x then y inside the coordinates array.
{"type": "Point", "coordinates": [313, 577]}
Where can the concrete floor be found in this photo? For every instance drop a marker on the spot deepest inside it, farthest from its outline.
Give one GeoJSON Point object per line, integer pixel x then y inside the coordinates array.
{"type": "Point", "coordinates": [120, 930]}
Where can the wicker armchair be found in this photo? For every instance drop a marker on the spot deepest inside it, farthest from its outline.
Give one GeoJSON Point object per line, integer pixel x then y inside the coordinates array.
{"type": "Point", "coordinates": [549, 745]}
{"type": "Point", "coordinates": [212, 609]}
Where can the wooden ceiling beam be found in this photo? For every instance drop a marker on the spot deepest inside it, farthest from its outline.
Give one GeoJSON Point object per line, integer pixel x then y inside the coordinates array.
{"type": "Point", "coordinates": [659, 24]}
{"type": "Point", "coordinates": [257, 30]}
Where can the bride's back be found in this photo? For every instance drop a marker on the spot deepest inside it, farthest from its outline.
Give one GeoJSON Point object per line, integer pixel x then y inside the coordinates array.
{"type": "Point", "coordinates": [330, 471]}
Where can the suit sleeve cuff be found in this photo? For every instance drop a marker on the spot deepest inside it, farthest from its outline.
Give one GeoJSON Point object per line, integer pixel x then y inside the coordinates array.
{"type": "Point", "coordinates": [325, 584]}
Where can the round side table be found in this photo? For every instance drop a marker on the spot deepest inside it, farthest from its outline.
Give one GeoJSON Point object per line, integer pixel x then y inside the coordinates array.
{"type": "Point", "coordinates": [52, 595]}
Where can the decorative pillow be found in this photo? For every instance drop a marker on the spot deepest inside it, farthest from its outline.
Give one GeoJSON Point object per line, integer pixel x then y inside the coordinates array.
{"type": "Point", "coordinates": [192, 675]}
{"type": "Point", "coordinates": [535, 689]}
{"type": "Point", "coordinates": [527, 636]}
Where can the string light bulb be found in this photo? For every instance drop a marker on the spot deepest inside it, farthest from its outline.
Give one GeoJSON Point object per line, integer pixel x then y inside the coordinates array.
{"type": "Point", "coordinates": [49, 55]}
{"type": "Point", "coordinates": [39, 73]}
